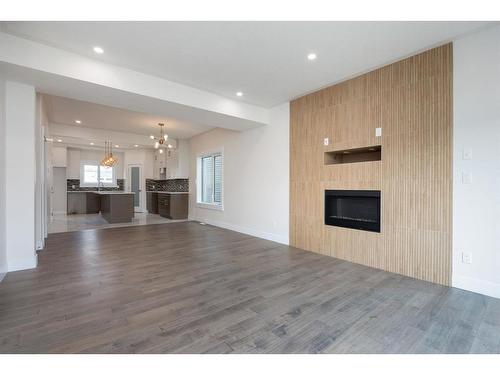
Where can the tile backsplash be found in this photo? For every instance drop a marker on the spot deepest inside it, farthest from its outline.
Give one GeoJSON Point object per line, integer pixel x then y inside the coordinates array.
{"type": "Point", "coordinates": [174, 184]}
{"type": "Point", "coordinates": [70, 183]}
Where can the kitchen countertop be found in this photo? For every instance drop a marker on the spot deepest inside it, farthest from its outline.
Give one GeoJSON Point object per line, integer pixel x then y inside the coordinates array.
{"type": "Point", "coordinates": [112, 192]}
{"type": "Point", "coordinates": [100, 192]}
{"type": "Point", "coordinates": [168, 192]}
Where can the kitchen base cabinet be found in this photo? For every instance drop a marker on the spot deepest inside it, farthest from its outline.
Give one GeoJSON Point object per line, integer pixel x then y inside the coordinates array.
{"type": "Point", "coordinates": [164, 205]}
{"type": "Point", "coordinates": [173, 205]}
{"type": "Point", "coordinates": [76, 203]}
{"type": "Point", "coordinates": [152, 202]}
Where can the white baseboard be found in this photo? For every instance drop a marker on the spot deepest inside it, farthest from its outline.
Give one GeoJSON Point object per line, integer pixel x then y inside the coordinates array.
{"type": "Point", "coordinates": [2, 275]}
{"type": "Point", "coordinates": [476, 285]}
{"type": "Point", "coordinates": [22, 264]}
{"type": "Point", "coordinates": [250, 231]}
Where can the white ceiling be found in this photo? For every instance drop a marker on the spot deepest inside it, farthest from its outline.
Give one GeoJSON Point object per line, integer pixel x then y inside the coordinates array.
{"type": "Point", "coordinates": [265, 60]}
{"type": "Point", "coordinates": [65, 111]}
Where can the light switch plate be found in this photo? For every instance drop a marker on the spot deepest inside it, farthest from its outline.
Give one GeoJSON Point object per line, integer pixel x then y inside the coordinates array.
{"type": "Point", "coordinates": [466, 178]}
{"type": "Point", "coordinates": [467, 154]}
{"type": "Point", "coordinates": [466, 258]}
{"type": "Point", "coordinates": [326, 141]}
{"type": "Point", "coordinates": [378, 132]}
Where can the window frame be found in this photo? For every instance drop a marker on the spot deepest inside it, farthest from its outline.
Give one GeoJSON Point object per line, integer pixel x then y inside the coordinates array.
{"type": "Point", "coordinates": [83, 163]}
{"type": "Point", "coordinates": [199, 181]}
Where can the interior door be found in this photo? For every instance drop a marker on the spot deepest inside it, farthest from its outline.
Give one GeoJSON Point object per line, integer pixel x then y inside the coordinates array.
{"type": "Point", "coordinates": [135, 186]}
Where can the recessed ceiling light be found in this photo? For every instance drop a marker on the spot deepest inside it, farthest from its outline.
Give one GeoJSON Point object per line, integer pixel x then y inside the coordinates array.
{"type": "Point", "coordinates": [117, 146]}
{"type": "Point", "coordinates": [59, 140]}
{"type": "Point", "coordinates": [136, 145]}
{"type": "Point", "coordinates": [239, 93]}
{"type": "Point", "coordinates": [78, 121]}
{"type": "Point", "coordinates": [311, 56]}
{"type": "Point", "coordinates": [98, 50]}
{"type": "Point", "coordinates": [91, 143]}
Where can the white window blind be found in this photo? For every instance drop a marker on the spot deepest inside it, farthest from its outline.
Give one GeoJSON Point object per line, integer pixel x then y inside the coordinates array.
{"type": "Point", "coordinates": [210, 177]}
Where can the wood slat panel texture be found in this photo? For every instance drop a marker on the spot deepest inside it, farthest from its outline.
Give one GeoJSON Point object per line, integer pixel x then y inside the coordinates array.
{"type": "Point", "coordinates": [411, 100]}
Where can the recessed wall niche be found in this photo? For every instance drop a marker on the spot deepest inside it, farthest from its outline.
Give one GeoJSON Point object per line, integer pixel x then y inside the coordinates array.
{"type": "Point", "coordinates": [355, 155]}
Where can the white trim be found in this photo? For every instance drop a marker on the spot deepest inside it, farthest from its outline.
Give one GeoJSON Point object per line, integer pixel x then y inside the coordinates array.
{"type": "Point", "coordinates": [245, 230]}
{"type": "Point", "coordinates": [210, 206]}
{"type": "Point", "coordinates": [22, 264]}
{"type": "Point", "coordinates": [2, 275]}
{"type": "Point", "coordinates": [142, 191]}
{"type": "Point", "coordinates": [472, 284]}
{"type": "Point", "coordinates": [114, 184]}
{"type": "Point", "coordinates": [199, 157]}
{"type": "Point", "coordinates": [59, 212]}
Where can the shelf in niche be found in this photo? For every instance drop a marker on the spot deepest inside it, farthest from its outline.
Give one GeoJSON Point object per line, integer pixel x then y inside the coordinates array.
{"type": "Point", "coordinates": [354, 155]}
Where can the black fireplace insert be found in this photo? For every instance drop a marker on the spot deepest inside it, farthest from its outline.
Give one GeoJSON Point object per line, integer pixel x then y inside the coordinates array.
{"type": "Point", "coordinates": [357, 209]}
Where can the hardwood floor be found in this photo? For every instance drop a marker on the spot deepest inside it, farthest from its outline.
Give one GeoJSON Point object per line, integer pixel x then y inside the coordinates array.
{"type": "Point", "coordinates": [188, 288]}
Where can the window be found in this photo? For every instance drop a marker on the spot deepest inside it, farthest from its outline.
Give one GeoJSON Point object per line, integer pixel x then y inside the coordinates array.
{"type": "Point", "coordinates": [210, 180]}
{"type": "Point", "coordinates": [91, 173]}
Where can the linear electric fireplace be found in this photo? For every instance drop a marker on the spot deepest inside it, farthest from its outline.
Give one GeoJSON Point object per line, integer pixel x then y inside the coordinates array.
{"type": "Point", "coordinates": [357, 209]}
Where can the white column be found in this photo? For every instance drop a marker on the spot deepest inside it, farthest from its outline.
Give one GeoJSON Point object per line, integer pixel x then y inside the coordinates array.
{"type": "Point", "coordinates": [20, 172]}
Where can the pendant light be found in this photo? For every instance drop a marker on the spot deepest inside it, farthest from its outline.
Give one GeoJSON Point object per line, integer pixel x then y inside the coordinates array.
{"type": "Point", "coordinates": [160, 141]}
{"type": "Point", "coordinates": [109, 160]}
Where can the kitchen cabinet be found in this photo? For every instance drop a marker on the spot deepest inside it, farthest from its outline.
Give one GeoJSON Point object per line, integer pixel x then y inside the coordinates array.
{"type": "Point", "coordinates": [77, 203]}
{"type": "Point", "coordinates": [152, 202]}
{"type": "Point", "coordinates": [168, 164]}
{"type": "Point", "coordinates": [173, 205]}
{"type": "Point", "coordinates": [83, 202]}
{"type": "Point", "coordinates": [59, 157]}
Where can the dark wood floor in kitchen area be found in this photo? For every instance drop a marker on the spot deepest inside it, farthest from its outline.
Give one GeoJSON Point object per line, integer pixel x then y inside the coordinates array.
{"type": "Point", "coordinates": [189, 288]}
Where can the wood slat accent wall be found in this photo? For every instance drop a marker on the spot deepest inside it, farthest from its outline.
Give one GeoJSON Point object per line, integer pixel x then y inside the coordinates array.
{"type": "Point", "coordinates": [411, 100]}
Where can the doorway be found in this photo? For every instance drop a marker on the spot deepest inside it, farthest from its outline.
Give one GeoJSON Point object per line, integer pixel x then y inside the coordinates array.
{"type": "Point", "coordinates": [135, 183]}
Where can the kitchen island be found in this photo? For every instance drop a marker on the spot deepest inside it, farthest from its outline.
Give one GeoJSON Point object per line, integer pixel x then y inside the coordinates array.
{"type": "Point", "coordinates": [116, 206]}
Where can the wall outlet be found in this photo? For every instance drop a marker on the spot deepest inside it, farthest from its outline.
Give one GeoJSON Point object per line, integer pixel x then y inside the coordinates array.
{"type": "Point", "coordinates": [466, 178]}
{"type": "Point", "coordinates": [326, 141]}
{"type": "Point", "coordinates": [378, 132]}
{"type": "Point", "coordinates": [466, 154]}
{"type": "Point", "coordinates": [466, 258]}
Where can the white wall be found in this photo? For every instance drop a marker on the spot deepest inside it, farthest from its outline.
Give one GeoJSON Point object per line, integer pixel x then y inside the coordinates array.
{"type": "Point", "coordinates": [476, 205]}
{"type": "Point", "coordinates": [40, 213]}
{"type": "Point", "coordinates": [255, 177]}
{"type": "Point", "coordinates": [20, 176]}
{"type": "Point", "coordinates": [3, 250]}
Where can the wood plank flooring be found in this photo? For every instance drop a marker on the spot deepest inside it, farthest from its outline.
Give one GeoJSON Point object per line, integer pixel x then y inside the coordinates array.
{"type": "Point", "coordinates": [188, 288]}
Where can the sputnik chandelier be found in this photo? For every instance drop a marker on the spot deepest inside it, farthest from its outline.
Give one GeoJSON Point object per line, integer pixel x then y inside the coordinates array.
{"type": "Point", "coordinates": [161, 140]}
